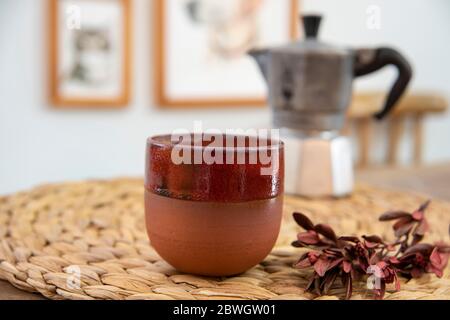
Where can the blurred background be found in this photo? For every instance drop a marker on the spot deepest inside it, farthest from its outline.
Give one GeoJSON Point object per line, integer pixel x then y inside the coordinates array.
{"type": "Point", "coordinates": [41, 143]}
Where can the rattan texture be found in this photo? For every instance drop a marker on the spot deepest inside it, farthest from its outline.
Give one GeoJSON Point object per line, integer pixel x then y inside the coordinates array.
{"type": "Point", "coordinates": [52, 233]}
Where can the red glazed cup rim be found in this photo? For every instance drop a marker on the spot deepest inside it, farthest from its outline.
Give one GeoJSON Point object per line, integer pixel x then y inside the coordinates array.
{"type": "Point", "coordinates": [164, 140]}
{"type": "Point", "coordinates": [222, 181]}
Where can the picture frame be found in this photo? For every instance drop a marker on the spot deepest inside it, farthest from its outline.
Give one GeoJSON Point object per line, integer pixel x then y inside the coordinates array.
{"type": "Point", "coordinates": [89, 53]}
{"type": "Point", "coordinates": [161, 63]}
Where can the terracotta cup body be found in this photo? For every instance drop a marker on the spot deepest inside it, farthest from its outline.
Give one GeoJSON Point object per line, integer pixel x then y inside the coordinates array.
{"type": "Point", "coordinates": [213, 218]}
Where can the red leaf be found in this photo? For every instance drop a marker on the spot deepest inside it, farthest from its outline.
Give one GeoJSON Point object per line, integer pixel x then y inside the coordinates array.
{"type": "Point", "coordinates": [370, 245]}
{"type": "Point", "coordinates": [313, 257]}
{"type": "Point", "coordinates": [330, 278]}
{"type": "Point", "coordinates": [418, 215]}
{"type": "Point", "coordinates": [375, 257]}
{"type": "Point", "coordinates": [381, 265]}
{"type": "Point", "coordinates": [309, 237]}
{"type": "Point", "coordinates": [310, 282]}
{"type": "Point", "coordinates": [416, 239]}
{"type": "Point", "coordinates": [332, 252]}
{"type": "Point", "coordinates": [421, 228]}
{"type": "Point", "coordinates": [423, 248]}
{"type": "Point", "coordinates": [416, 272]}
{"type": "Point", "coordinates": [373, 239]}
{"type": "Point", "coordinates": [349, 238]}
{"type": "Point", "coordinates": [424, 205]}
{"type": "Point", "coordinates": [402, 221]}
{"type": "Point", "coordinates": [347, 281]}
{"type": "Point", "coordinates": [438, 272]}
{"type": "Point", "coordinates": [438, 260]}
{"type": "Point", "coordinates": [356, 274]}
{"type": "Point", "coordinates": [321, 266]}
{"type": "Point", "coordinates": [392, 215]}
{"type": "Point", "coordinates": [403, 226]}
{"type": "Point", "coordinates": [296, 244]}
{"type": "Point", "coordinates": [393, 260]}
{"type": "Point", "coordinates": [317, 285]}
{"type": "Point", "coordinates": [346, 266]}
{"type": "Point", "coordinates": [326, 231]}
{"type": "Point", "coordinates": [334, 263]}
{"type": "Point", "coordinates": [396, 282]}
{"type": "Point", "coordinates": [303, 263]}
{"type": "Point", "coordinates": [303, 221]}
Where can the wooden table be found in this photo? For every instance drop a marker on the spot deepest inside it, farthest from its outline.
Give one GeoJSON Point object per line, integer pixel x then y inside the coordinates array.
{"type": "Point", "coordinates": [431, 180]}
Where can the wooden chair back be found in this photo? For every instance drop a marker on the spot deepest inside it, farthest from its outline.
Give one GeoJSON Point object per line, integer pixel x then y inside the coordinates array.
{"type": "Point", "coordinates": [414, 106]}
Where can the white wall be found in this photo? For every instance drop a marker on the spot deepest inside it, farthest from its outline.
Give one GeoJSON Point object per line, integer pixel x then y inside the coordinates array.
{"type": "Point", "coordinates": [39, 144]}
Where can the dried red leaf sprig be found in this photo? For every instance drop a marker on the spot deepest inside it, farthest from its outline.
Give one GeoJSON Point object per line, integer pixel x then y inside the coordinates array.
{"type": "Point", "coordinates": [352, 258]}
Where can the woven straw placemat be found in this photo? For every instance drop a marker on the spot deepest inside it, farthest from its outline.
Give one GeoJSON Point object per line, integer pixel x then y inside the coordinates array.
{"type": "Point", "coordinates": [51, 232]}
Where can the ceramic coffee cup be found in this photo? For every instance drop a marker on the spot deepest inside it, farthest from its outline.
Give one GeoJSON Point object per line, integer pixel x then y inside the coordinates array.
{"type": "Point", "coordinates": [213, 211]}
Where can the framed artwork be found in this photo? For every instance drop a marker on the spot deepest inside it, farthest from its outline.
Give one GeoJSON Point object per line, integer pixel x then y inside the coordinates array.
{"type": "Point", "coordinates": [201, 45]}
{"type": "Point", "coordinates": [90, 53]}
